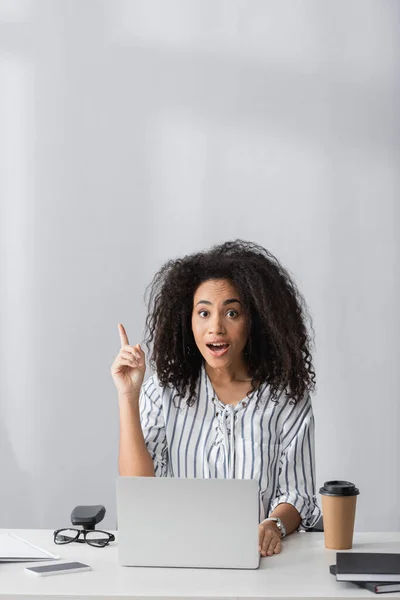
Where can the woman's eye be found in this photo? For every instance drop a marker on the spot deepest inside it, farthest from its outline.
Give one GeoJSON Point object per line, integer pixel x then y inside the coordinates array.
{"type": "Point", "coordinates": [230, 313]}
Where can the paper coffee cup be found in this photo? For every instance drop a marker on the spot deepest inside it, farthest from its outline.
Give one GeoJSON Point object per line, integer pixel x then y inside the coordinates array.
{"type": "Point", "coordinates": [339, 500]}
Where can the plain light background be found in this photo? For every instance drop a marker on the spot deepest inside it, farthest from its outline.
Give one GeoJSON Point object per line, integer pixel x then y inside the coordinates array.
{"type": "Point", "coordinates": [132, 132]}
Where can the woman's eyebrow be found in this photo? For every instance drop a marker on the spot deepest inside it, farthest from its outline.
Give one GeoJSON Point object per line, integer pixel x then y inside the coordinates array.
{"type": "Point", "coordinates": [229, 301]}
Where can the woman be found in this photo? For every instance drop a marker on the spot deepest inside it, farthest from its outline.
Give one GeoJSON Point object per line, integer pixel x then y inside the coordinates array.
{"type": "Point", "coordinates": [230, 396]}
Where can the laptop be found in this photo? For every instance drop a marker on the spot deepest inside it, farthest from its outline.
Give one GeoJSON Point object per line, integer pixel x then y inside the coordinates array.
{"type": "Point", "coordinates": [197, 523]}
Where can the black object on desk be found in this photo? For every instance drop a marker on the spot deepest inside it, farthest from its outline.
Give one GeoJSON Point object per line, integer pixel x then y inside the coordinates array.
{"type": "Point", "coordinates": [88, 516]}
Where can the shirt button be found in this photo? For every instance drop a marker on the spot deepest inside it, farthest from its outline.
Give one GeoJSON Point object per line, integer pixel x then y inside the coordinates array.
{"type": "Point", "coordinates": [244, 404]}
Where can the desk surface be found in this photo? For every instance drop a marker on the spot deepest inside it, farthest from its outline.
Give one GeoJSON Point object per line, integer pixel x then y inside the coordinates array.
{"type": "Point", "coordinates": [300, 571]}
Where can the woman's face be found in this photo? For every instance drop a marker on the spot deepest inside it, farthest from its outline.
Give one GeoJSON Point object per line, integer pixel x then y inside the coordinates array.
{"type": "Point", "coordinates": [219, 323]}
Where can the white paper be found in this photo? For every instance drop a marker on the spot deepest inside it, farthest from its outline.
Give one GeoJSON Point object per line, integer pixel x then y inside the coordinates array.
{"type": "Point", "coordinates": [15, 549]}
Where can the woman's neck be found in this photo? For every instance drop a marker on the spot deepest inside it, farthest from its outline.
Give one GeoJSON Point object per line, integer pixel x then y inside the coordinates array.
{"type": "Point", "coordinates": [227, 376]}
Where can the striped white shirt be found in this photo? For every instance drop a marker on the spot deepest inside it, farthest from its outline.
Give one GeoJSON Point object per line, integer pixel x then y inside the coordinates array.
{"type": "Point", "coordinates": [271, 441]}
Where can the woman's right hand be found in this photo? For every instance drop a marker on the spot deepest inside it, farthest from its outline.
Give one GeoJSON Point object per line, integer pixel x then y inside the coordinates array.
{"type": "Point", "coordinates": [129, 367]}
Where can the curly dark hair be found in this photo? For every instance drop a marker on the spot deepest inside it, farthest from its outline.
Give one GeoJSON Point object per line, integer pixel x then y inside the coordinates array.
{"type": "Point", "coordinates": [278, 350]}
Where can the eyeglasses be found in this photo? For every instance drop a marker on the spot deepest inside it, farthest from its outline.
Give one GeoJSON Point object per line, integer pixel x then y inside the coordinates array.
{"type": "Point", "coordinates": [93, 537]}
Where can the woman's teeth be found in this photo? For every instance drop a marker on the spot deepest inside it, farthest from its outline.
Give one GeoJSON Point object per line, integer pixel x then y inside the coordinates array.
{"type": "Point", "coordinates": [218, 349]}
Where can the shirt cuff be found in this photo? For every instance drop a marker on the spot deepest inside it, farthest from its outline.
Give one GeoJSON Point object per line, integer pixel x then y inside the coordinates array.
{"type": "Point", "coordinates": [309, 513]}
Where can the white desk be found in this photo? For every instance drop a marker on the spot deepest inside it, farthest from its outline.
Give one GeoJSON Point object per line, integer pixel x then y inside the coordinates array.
{"type": "Point", "coordinates": [300, 571]}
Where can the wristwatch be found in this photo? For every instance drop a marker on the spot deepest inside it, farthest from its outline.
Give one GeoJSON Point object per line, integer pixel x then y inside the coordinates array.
{"type": "Point", "coordinates": [279, 525]}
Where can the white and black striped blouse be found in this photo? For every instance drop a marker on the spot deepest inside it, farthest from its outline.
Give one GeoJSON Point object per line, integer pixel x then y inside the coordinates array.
{"type": "Point", "coordinates": [271, 441]}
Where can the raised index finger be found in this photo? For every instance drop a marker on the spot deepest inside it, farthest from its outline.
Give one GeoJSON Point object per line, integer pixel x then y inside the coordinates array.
{"type": "Point", "coordinates": [122, 335]}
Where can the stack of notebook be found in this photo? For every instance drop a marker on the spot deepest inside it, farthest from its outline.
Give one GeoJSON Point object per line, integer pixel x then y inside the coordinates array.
{"type": "Point", "coordinates": [378, 572]}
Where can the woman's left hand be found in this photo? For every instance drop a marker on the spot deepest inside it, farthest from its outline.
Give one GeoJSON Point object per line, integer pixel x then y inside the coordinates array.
{"type": "Point", "coordinates": [269, 538]}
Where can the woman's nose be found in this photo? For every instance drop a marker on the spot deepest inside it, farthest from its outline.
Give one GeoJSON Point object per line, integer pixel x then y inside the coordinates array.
{"type": "Point", "coordinates": [216, 326]}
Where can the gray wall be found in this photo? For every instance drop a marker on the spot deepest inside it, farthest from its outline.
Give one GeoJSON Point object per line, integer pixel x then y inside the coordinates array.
{"type": "Point", "coordinates": [136, 131]}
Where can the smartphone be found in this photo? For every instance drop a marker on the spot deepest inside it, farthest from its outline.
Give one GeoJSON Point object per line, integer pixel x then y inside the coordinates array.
{"type": "Point", "coordinates": [57, 569]}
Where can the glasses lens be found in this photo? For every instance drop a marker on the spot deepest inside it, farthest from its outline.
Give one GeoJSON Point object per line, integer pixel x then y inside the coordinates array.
{"type": "Point", "coordinates": [97, 538]}
{"type": "Point", "coordinates": [65, 536]}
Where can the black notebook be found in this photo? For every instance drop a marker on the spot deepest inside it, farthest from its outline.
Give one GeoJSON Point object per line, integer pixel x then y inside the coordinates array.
{"type": "Point", "coordinates": [367, 566]}
{"type": "Point", "coordinates": [378, 587]}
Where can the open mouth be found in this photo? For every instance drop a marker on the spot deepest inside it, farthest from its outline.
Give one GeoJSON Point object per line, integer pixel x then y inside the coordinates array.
{"type": "Point", "coordinates": [218, 349]}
